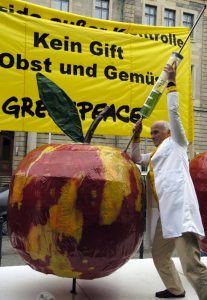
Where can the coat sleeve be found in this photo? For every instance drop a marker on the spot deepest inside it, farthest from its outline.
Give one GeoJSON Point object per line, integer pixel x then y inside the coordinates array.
{"type": "Point", "coordinates": [176, 127]}
{"type": "Point", "coordinates": [137, 157]}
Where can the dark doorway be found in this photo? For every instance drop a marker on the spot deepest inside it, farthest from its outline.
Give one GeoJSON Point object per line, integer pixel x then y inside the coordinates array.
{"type": "Point", "coordinates": [6, 152]}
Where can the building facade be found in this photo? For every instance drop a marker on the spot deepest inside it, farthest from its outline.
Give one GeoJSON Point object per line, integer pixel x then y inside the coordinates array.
{"type": "Point", "coordinates": [15, 145]}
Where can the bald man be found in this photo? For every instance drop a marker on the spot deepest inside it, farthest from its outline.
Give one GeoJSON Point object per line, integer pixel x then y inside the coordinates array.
{"type": "Point", "coordinates": [173, 215]}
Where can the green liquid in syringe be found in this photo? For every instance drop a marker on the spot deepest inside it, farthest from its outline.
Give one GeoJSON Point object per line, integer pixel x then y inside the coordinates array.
{"type": "Point", "coordinates": [150, 104]}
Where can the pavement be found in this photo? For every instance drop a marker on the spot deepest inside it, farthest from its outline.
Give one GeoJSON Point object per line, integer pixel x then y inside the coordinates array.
{"type": "Point", "coordinates": [136, 280]}
{"type": "Point", "coordinates": [9, 255]}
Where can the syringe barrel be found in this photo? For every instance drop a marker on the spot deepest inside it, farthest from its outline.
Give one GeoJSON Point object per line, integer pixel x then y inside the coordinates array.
{"type": "Point", "coordinates": [159, 87]}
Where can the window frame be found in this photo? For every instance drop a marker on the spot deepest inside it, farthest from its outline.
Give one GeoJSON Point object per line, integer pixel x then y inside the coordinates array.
{"type": "Point", "coordinates": [102, 9]}
{"type": "Point", "coordinates": [61, 2]}
{"type": "Point", "coordinates": [148, 15]}
{"type": "Point", "coordinates": [192, 36]}
{"type": "Point", "coordinates": [167, 19]}
{"type": "Point", "coordinates": [188, 14]}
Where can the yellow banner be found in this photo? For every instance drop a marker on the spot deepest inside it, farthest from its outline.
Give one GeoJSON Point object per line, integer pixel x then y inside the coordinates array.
{"type": "Point", "coordinates": [93, 67]}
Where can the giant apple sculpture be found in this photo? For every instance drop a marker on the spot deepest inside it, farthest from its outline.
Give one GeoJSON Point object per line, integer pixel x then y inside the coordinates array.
{"type": "Point", "coordinates": [76, 210]}
{"type": "Point", "coordinates": [198, 171]}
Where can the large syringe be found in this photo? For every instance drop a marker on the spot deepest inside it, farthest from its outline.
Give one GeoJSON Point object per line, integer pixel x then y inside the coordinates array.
{"type": "Point", "coordinates": [162, 81]}
{"type": "Point", "coordinates": [159, 87]}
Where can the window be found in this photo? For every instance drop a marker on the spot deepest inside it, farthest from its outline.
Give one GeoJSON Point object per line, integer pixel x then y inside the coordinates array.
{"type": "Point", "coordinates": [150, 15]}
{"type": "Point", "coordinates": [60, 5]}
{"type": "Point", "coordinates": [102, 9]}
{"type": "Point", "coordinates": [188, 20]}
{"type": "Point", "coordinates": [169, 17]}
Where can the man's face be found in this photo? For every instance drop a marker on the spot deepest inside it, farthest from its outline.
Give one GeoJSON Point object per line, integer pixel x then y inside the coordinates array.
{"type": "Point", "coordinates": [158, 133]}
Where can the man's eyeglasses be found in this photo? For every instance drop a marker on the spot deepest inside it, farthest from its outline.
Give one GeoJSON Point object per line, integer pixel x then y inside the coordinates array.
{"type": "Point", "coordinates": [154, 132]}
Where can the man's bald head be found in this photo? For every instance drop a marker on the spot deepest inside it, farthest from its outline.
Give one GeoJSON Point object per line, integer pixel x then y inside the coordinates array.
{"type": "Point", "coordinates": [160, 130]}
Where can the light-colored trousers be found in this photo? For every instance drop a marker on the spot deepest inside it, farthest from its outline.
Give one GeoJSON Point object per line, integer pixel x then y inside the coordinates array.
{"type": "Point", "coordinates": [188, 251]}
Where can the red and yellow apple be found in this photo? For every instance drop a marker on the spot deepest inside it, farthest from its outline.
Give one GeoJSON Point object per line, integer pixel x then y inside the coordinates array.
{"type": "Point", "coordinates": [198, 171]}
{"type": "Point", "coordinates": [76, 210]}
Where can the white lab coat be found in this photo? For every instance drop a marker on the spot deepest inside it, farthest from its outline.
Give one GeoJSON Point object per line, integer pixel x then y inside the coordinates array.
{"type": "Point", "coordinates": [178, 204]}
